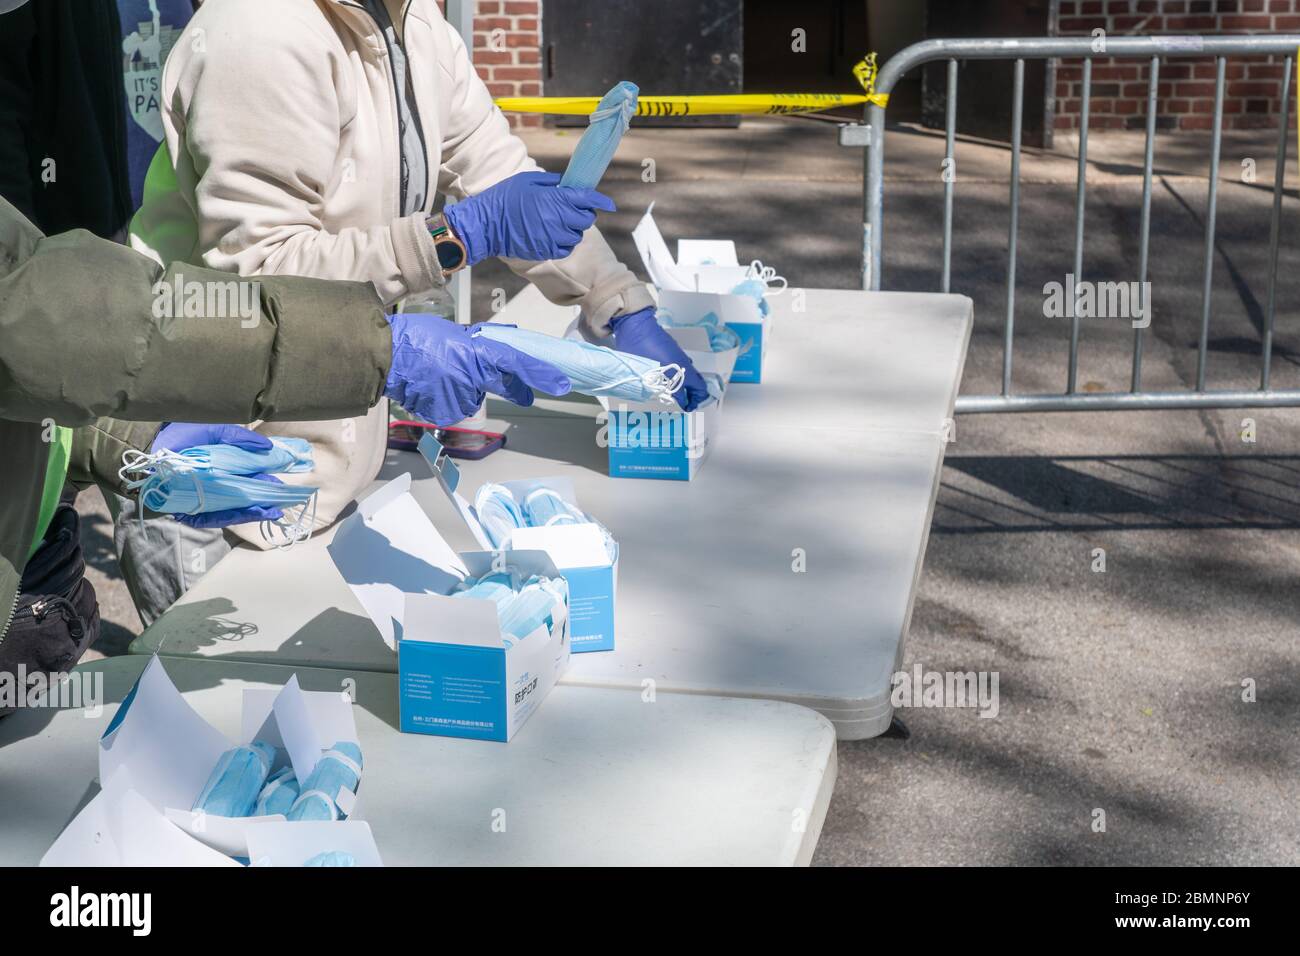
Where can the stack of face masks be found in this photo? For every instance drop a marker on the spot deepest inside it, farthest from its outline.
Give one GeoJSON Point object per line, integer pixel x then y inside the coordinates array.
{"type": "Point", "coordinates": [606, 128]}
{"type": "Point", "coordinates": [339, 768]}
{"type": "Point", "coordinates": [235, 781]}
{"type": "Point", "coordinates": [241, 784]}
{"type": "Point", "coordinates": [523, 603]}
{"type": "Point", "coordinates": [209, 478]}
{"type": "Point", "coordinates": [500, 513]}
{"type": "Point", "coordinates": [593, 369]}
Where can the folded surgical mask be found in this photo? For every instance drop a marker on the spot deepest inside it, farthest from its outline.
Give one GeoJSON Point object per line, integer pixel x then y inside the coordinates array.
{"type": "Point", "coordinates": [278, 795]}
{"type": "Point", "coordinates": [605, 129]}
{"type": "Point", "coordinates": [286, 455]}
{"type": "Point", "coordinates": [339, 768]}
{"type": "Point", "coordinates": [208, 478]}
{"type": "Point", "coordinates": [757, 285]}
{"type": "Point", "coordinates": [522, 605]}
{"type": "Point", "coordinates": [533, 607]}
{"type": "Point", "coordinates": [721, 337]}
{"type": "Point", "coordinates": [594, 369]}
{"type": "Point", "coordinates": [544, 507]}
{"type": "Point", "coordinates": [498, 512]}
{"type": "Point", "coordinates": [332, 858]}
{"type": "Point", "coordinates": [236, 780]}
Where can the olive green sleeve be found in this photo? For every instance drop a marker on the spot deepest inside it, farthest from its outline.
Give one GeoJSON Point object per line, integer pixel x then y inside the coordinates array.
{"type": "Point", "coordinates": [97, 450]}
{"type": "Point", "coordinates": [90, 329]}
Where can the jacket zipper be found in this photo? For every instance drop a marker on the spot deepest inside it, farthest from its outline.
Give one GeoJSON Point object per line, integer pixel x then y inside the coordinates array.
{"type": "Point", "coordinates": [397, 108]}
{"type": "Point", "coordinates": [13, 612]}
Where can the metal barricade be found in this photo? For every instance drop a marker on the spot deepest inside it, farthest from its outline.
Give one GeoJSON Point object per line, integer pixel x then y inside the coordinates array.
{"type": "Point", "coordinates": [1152, 49]}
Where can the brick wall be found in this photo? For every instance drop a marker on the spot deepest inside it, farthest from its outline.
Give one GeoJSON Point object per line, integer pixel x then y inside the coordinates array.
{"type": "Point", "coordinates": [507, 50]}
{"type": "Point", "coordinates": [1252, 97]}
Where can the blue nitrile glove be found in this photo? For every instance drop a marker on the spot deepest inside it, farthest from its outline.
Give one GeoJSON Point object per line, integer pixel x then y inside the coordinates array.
{"type": "Point", "coordinates": [177, 436]}
{"type": "Point", "coordinates": [528, 216]}
{"type": "Point", "coordinates": [440, 371]}
{"type": "Point", "coordinates": [640, 334]}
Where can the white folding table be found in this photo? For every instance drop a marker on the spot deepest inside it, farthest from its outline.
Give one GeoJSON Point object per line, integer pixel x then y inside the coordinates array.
{"type": "Point", "coordinates": [831, 465]}
{"type": "Point", "coordinates": [596, 777]}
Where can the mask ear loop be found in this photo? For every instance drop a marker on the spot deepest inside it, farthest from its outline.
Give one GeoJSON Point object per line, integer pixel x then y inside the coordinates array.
{"type": "Point", "coordinates": [300, 528]}
{"type": "Point", "coordinates": [662, 384]}
{"type": "Point", "coordinates": [767, 275]}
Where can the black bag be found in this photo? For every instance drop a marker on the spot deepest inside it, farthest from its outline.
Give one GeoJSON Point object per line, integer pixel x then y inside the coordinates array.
{"type": "Point", "coordinates": [57, 615]}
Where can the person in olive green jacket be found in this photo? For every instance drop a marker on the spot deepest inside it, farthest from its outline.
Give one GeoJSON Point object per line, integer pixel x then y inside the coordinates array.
{"type": "Point", "coordinates": [91, 364]}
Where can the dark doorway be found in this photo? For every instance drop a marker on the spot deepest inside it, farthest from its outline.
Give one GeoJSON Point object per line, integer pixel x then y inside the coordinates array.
{"type": "Point", "coordinates": [666, 47]}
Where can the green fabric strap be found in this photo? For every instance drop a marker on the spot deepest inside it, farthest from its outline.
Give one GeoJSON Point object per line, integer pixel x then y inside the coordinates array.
{"type": "Point", "coordinates": [56, 472]}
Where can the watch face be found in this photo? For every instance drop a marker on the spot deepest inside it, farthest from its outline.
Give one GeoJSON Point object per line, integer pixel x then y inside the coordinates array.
{"type": "Point", "coordinates": [450, 254]}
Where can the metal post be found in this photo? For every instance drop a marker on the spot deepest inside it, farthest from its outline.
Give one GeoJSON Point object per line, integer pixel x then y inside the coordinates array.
{"type": "Point", "coordinates": [1144, 246]}
{"type": "Point", "coordinates": [1080, 203]}
{"type": "Point", "coordinates": [1211, 208]}
{"type": "Point", "coordinates": [1279, 175]}
{"type": "Point", "coordinates": [460, 14]}
{"type": "Point", "coordinates": [1017, 122]}
{"type": "Point", "coordinates": [950, 173]}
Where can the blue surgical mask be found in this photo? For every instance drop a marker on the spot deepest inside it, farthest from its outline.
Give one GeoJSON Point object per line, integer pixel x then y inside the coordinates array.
{"type": "Point", "coordinates": [286, 455]}
{"type": "Point", "coordinates": [179, 483]}
{"type": "Point", "coordinates": [498, 512]}
{"type": "Point", "coordinates": [544, 507]}
{"type": "Point", "coordinates": [278, 795]}
{"type": "Point", "coordinates": [332, 858]}
{"type": "Point", "coordinates": [605, 129]}
{"type": "Point", "coordinates": [236, 780]}
{"type": "Point", "coordinates": [594, 369]}
{"type": "Point", "coordinates": [337, 769]}
{"type": "Point", "coordinates": [721, 338]}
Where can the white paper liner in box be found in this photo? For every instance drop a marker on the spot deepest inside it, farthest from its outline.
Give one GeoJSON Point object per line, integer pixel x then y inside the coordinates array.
{"type": "Point", "coordinates": [167, 751]}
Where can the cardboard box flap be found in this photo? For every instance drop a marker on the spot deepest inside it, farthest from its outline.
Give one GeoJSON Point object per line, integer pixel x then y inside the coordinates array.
{"type": "Point", "coordinates": [389, 548]}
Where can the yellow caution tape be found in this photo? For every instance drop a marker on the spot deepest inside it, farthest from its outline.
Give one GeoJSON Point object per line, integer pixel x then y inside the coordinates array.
{"type": "Point", "coordinates": [771, 104]}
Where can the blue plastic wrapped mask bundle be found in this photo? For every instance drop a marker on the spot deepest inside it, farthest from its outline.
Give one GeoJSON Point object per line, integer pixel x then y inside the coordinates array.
{"type": "Point", "coordinates": [236, 780]}
{"type": "Point", "coordinates": [339, 768]}
{"type": "Point", "coordinates": [593, 369]}
{"type": "Point", "coordinates": [278, 795]}
{"type": "Point", "coordinates": [544, 507]}
{"type": "Point", "coordinates": [604, 132]}
{"type": "Point", "coordinates": [721, 337]}
{"type": "Point", "coordinates": [332, 858]}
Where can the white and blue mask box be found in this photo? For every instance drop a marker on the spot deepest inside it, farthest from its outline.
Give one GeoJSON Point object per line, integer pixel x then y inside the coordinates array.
{"type": "Point", "coordinates": [700, 280]}
{"type": "Point", "coordinates": [659, 440]}
{"type": "Point", "coordinates": [155, 758]}
{"type": "Point", "coordinates": [580, 551]}
{"type": "Point", "coordinates": [458, 674]}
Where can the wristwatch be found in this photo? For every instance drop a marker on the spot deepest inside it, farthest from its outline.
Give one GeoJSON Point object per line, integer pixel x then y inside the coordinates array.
{"type": "Point", "coordinates": [452, 256]}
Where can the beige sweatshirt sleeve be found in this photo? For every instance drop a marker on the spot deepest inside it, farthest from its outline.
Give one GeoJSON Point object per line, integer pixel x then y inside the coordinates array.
{"type": "Point", "coordinates": [478, 151]}
{"type": "Point", "coordinates": [262, 163]}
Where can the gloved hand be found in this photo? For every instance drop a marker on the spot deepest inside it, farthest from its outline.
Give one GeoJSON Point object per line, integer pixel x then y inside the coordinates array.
{"type": "Point", "coordinates": [640, 334]}
{"type": "Point", "coordinates": [528, 216]}
{"type": "Point", "coordinates": [440, 371]}
{"type": "Point", "coordinates": [177, 436]}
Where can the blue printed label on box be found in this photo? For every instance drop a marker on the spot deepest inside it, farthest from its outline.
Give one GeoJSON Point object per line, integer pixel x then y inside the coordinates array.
{"type": "Point", "coordinates": [749, 363]}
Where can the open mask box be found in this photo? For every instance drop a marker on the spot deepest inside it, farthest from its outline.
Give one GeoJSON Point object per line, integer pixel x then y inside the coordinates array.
{"type": "Point", "coordinates": [582, 552]}
{"type": "Point", "coordinates": [156, 757]}
{"type": "Point", "coordinates": [657, 439]}
{"type": "Point", "coordinates": [459, 673]}
{"type": "Point", "coordinates": [700, 283]}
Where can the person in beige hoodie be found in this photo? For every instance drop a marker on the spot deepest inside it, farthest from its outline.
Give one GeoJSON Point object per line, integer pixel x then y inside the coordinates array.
{"type": "Point", "coordinates": [312, 138]}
